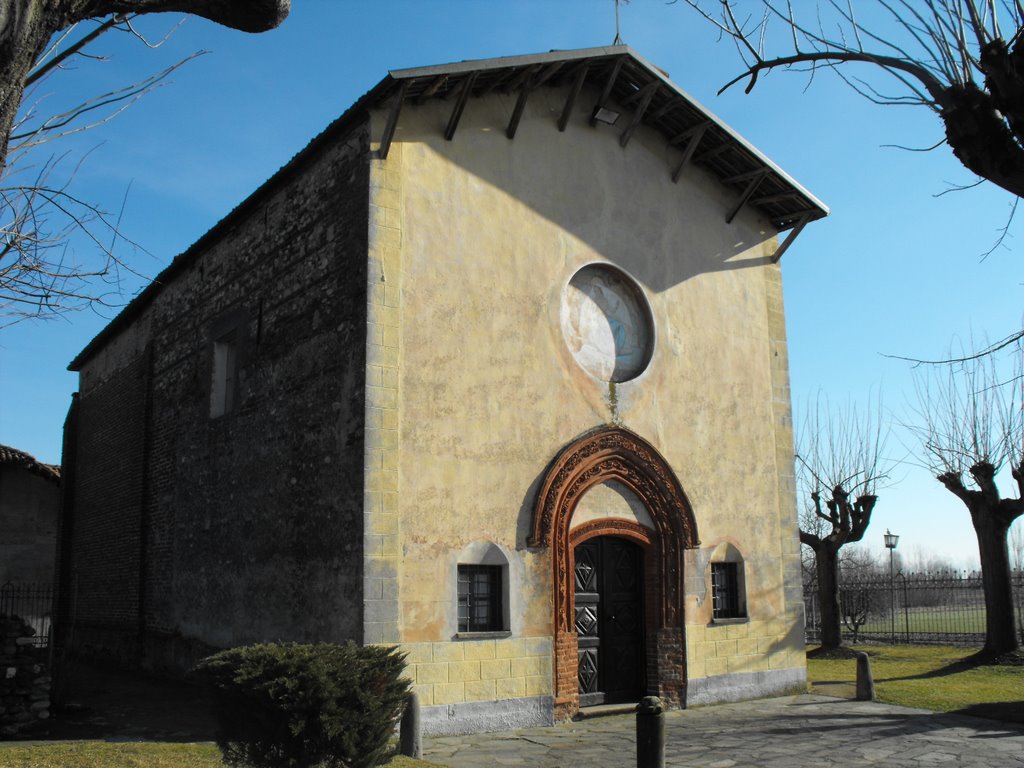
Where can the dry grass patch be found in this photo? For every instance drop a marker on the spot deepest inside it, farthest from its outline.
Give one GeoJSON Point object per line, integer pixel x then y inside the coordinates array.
{"type": "Point", "coordinates": [101, 754]}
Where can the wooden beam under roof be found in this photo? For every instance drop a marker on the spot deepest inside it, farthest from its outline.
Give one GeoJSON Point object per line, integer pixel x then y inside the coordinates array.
{"type": "Point", "coordinates": [665, 108]}
{"type": "Point", "coordinates": [460, 105]}
{"type": "Point", "coordinates": [392, 123]}
{"type": "Point", "coordinates": [752, 185]}
{"type": "Point", "coordinates": [745, 176]}
{"type": "Point", "coordinates": [577, 85]}
{"type": "Point", "coordinates": [498, 81]}
{"type": "Point", "coordinates": [713, 152]}
{"type": "Point", "coordinates": [430, 90]}
{"type": "Point", "coordinates": [517, 112]}
{"type": "Point", "coordinates": [521, 78]}
{"type": "Point", "coordinates": [776, 198]}
{"type": "Point", "coordinates": [609, 84]}
{"type": "Point", "coordinates": [550, 71]}
{"type": "Point", "coordinates": [700, 128]}
{"type": "Point", "coordinates": [805, 218]}
{"type": "Point", "coordinates": [645, 94]}
{"type": "Point", "coordinates": [694, 135]}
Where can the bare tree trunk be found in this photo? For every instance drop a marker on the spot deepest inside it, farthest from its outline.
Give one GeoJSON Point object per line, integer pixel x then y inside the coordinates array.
{"type": "Point", "coordinates": [24, 32]}
{"type": "Point", "coordinates": [826, 560]}
{"type": "Point", "coordinates": [1000, 630]}
{"type": "Point", "coordinates": [992, 517]}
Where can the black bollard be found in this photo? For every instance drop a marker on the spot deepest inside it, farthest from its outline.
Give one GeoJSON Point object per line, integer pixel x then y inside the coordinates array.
{"type": "Point", "coordinates": [650, 733]}
{"type": "Point", "coordinates": [409, 742]}
{"type": "Point", "coordinates": [865, 683]}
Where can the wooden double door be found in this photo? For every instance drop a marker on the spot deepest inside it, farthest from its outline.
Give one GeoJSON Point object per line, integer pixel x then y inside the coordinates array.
{"type": "Point", "coordinates": [610, 620]}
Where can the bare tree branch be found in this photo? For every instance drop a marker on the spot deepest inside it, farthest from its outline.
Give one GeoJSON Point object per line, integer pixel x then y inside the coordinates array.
{"type": "Point", "coordinates": [949, 56]}
{"type": "Point", "coordinates": [42, 272]}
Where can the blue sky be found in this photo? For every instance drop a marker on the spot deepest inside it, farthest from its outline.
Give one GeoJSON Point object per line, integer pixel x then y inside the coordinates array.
{"type": "Point", "coordinates": [894, 270]}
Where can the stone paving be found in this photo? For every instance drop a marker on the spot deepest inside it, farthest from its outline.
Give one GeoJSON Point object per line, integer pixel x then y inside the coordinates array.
{"type": "Point", "coordinates": [807, 731]}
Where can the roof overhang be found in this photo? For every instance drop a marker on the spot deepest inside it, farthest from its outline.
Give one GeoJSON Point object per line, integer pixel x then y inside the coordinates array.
{"type": "Point", "coordinates": [626, 83]}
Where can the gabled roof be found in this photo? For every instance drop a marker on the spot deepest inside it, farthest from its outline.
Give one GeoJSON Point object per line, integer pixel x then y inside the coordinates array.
{"type": "Point", "coordinates": [12, 457]}
{"type": "Point", "coordinates": [626, 81]}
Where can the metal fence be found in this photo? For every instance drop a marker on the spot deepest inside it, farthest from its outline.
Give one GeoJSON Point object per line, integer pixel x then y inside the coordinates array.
{"type": "Point", "coordinates": [924, 608]}
{"type": "Point", "coordinates": [33, 603]}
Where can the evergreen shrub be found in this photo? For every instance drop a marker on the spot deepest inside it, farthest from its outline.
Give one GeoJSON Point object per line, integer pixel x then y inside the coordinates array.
{"type": "Point", "coordinates": [287, 705]}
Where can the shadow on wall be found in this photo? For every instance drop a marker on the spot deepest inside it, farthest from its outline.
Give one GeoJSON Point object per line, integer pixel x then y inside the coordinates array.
{"type": "Point", "coordinates": [620, 201]}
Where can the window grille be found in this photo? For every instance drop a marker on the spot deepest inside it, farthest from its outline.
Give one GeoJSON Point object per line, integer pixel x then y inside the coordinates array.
{"type": "Point", "coordinates": [480, 607]}
{"type": "Point", "coordinates": [725, 591]}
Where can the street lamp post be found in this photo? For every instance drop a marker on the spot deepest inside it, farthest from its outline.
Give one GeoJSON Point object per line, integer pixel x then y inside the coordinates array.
{"type": "Point", "coordinates": [891, 540]}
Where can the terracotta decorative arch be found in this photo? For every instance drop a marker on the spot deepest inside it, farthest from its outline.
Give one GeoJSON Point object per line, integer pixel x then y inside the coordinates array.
{"type": "Point", "coordinates": [615, 453]}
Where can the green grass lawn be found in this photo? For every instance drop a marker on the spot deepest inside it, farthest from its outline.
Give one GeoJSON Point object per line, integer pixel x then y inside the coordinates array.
{"type": "Point", "coordinates": [100, 754]}
{"type": "Point", "coordinates": [940, 678]}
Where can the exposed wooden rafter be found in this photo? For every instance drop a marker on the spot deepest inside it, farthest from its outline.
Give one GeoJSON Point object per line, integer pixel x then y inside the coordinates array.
{"type": "Point", "coordinates": [627, 92]}
{"type": "Point", "coordinates": [664, 109]}
{"type": "Point", "coordinates": [550, 71]}
{"type": "Point", "coordinates": [577, 85]}
{"type": "Point", "coordinates": [431, 89]}
{"type": "Point", "coordinates": [460, 105]}
{"type": "Point", "coordinates": [713, 152]}
{"type": "Point", "coordinates": [805, 218]}
{"type": "Point", "coordinates": [609, 84]}
{"type": "Point", "coordinates": [693, 138]}
{"type": "Point", "coordinates": [521, 79]}
{"type": "Point", "coordinates": [776, 198]}
{"type": "Point", "coordinates": [645, 95]}
{"type": "Point", "coordinates": [754, 179]}
{"type": "Point", "coordinates": [392, 123]}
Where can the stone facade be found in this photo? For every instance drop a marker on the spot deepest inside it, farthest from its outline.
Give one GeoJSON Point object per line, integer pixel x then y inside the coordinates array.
{"type": "Point", "coordinates": [457, 352]}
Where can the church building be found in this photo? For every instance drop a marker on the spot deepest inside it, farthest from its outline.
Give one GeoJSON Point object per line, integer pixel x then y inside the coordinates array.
{"type": "Point", "coordinates": [493, 370]}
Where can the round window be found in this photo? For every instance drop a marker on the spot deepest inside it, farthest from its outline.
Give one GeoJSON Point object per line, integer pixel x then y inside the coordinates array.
{"type": "Point", "coordinates": [606, 323]}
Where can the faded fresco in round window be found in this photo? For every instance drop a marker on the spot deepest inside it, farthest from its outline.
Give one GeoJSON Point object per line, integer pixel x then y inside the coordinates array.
{"type": "Point", "coordinates": [606, 323]}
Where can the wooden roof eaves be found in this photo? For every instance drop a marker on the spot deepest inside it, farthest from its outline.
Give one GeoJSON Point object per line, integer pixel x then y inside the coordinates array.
{"type": "Point", "coordinates": [631, 71]}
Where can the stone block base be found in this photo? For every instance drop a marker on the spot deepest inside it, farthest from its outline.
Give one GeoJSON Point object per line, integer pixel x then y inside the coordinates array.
{"type": "Point", "coordinates": [480, 716]}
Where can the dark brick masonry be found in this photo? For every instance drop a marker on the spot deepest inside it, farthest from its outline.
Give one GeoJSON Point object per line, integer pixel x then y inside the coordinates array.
{"type": "Point", "coordinates": [184, 531]}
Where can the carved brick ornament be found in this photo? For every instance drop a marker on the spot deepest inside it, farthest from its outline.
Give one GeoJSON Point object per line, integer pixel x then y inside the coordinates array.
{"type": "Point", "coordinates": [614, 453]}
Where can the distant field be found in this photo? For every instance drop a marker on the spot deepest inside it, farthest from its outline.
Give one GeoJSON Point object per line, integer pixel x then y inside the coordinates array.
{"type": "Point", "coordinates": [937, 620]}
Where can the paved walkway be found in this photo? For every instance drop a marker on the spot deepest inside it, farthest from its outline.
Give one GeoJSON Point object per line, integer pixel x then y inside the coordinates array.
{"type": "Point", "coordinates": [806, 731]}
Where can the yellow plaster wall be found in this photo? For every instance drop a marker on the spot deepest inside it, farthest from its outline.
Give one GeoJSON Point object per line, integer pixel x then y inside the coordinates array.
{"type": "Point", "coordinates": [479, 237]}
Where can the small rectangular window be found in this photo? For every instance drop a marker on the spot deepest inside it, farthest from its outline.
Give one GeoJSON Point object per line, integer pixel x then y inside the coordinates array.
{"type": "Point", "coordinates": [225, 370]}
{"type": "Point", "coordinates": [725, 591]}
{"type": "Point", "coordinates": [480, 608]}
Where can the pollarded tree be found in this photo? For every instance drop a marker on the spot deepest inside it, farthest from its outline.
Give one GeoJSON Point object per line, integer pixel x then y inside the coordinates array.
{"type": "Point", "coordinates": [961, 59]}
{"type": "Point", "coordinates": [39, 212]}
{"type": "Point", "coordinates": [970, 426]}
{"type": "Point", "coordinates": [839, 465]}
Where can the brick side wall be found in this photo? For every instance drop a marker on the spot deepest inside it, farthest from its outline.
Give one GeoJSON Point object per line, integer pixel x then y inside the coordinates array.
{"type": "Point", "coordinates": [105, 558]}
{"type": "Point", "coordinates": [247, 526]}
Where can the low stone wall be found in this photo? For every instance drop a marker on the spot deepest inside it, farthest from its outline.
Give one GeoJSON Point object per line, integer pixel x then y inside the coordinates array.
{"type": "Point", "coordinates": [24, 678]}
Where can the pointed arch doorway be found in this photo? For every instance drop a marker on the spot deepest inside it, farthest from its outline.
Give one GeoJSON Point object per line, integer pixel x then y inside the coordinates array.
{"type": "Point", "coordinates": [615, 454]}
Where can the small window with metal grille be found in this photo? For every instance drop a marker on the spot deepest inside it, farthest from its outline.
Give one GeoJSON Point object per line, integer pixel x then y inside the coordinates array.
{"type": "Point", "coordinates": [725, 591]}
{"type": "Point", "coordinates": [480, 608]}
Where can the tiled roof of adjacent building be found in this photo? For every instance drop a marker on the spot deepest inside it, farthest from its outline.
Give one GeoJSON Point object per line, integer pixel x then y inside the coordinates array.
{"type": "Point", "coordinates": [12, 457]}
